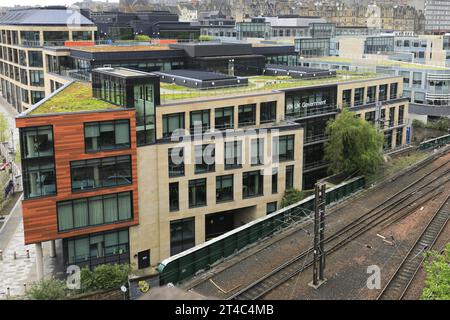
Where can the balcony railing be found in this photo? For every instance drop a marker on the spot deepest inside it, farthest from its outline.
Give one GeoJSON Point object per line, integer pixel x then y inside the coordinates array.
{"type": "Point", "coordinates": [315, 164]}
{"type": "Point", "coordinates": [315, 138]}
{"type": "Point", "coordinates": [31, 43]}
{"type": "Point", "coordinates": [312, 111]}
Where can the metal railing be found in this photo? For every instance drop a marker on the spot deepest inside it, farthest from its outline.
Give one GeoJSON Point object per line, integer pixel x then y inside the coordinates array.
{"type": "Point", "coordinates": [311, 111]}
{"type": "Point", "coordinates": [315, 164]}
{"type": "Point", "coordinates": [31, 43]}
{"type": "Point", "coordinates": [315, 138]}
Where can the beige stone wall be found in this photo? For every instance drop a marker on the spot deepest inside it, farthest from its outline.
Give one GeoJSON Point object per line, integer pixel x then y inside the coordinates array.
{"type": "Point", "coordinates": [153, 231]}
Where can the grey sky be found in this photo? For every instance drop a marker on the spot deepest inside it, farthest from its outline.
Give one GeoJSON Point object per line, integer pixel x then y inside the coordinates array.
{"type": "Point", "coordinates": [4, 3]}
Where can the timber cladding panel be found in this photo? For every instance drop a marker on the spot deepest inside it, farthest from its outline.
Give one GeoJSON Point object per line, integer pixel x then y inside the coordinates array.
{"type": "Point", "coordinates": [39, 215]}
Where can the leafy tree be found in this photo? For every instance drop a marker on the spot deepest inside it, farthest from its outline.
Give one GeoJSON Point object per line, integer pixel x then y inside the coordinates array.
{"type": "Point", "coordinates": [48, 289]}
{"type": "Point", "coordinates": [292, 196]}
{"type": "Point", "coordinates": [437, 281]}
{"type": "Point", "coordinates": [4, 128]}
{"type": "Point", "coordinates": [103, 277]}
{"type": "Point", "coordinates": [354, 144]}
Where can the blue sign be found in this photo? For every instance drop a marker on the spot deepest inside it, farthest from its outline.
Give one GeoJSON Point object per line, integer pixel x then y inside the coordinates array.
{"type": "Point", "coordinates": [408, 135]}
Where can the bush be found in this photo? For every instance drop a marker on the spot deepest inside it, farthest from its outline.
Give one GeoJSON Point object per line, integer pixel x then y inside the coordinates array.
{"type": "Point", "coordinates": [103, 277]}
{"type": "Point", "coordinates": [292, 196]}
{"type": "Point", "coordinates": [142, 37]}
{"type": "Point", "coordinates": [441, 124]}
{"type": "Point", "coordinates": [48, 289]}
{"type": "Point", "coordinates": [437, 268]}
{"type": "Point", "coordinates": [205, 38]}
{"type": "Point", "coordinates": [418, 124]}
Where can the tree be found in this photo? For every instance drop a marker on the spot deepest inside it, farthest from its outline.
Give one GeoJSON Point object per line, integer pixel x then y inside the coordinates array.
{"type": "Point", "coordinates": [354, 145]}
{"type": "Point", "coordinates": [4, 128]}
{"type": "Point", "coordinates": [437, 281]}
{"type": "Point", "coordinates": [292, 196]}
{"type": "Point", "coordinates": [105, 276]}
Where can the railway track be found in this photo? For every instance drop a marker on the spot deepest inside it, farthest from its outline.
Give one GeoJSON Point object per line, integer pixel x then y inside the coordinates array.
{"type": "Point", "coordinates": [405, 273]}
{"type": "Point", "coordinates": [406, 199]}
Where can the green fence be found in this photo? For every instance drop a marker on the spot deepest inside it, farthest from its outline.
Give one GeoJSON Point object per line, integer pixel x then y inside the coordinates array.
{"type": "Point", "coordinates": [435, 142]}
{"type": "Point", "coordinates": [187, 263]}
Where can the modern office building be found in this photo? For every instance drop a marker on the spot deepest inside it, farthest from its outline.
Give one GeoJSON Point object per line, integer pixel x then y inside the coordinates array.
{"type": "Point", "coordinates": [24, 35]}
{"type": "Point", "coordinates": [156, 168]}
{"type": "Point", "coordinates": [437, 16]}
{"type": "Point", "coordinates": [426, 86]}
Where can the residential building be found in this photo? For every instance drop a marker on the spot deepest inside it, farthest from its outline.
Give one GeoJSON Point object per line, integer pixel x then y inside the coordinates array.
{"type": "Point", "coordinates": [437, 16]}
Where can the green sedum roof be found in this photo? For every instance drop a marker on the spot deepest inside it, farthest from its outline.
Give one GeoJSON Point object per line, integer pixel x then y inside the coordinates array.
{"type": "Point", "coordinates": [76, 97]}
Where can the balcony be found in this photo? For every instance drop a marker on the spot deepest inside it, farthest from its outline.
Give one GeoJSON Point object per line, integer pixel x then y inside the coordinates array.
{"type": "Point", "coordinates": [315, 139]}
{"type": "Point", "coordinates": [310, 112]}
{"type": "Point", "coordinates": [315, 165]}
{"type": "Point", "coordinates": [31, 43]}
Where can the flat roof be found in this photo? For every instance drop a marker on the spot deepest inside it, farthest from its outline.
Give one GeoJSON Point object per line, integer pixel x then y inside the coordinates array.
{"type": "Point", "coordinates": [172, 93]}
{"type": "Point", "coordinates": [121, 48]}
{"type": "Point", "coordinates": [45, 16]}
{"type": "Point", "coordinates": [381, 63]}
{"type": "Point", "coordinates": [124, 72]}
{"type": "Point", "coordinates": [196, 74]}
{"type": "Point", "coordinates": [73, 97]}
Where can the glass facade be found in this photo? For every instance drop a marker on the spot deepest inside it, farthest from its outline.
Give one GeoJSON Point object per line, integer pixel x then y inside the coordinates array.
{"type": "Point", "coordinates": [144, 102]}
{"type": "Point", "coordinates": [93, 211]}
{"type": "Point", "coordinates": [312, 47]}
{"type": "Point", "coordinates": [309, 102]}
{"type": "Point", "coordinates": [38, 163]}
{"type": "Point", "coordinates": [376, 45]}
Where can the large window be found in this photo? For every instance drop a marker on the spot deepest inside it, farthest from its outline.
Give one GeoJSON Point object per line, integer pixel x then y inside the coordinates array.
{"type": "Point", "coordinates": [359, 96]}
{"type": "Point", "coordinates": [252, 184]}
{"type": "Point", "coordinates": [275, 180]}
{"type": "Point", "coordinates": [107, 135]}
{"type": "Point", "coordinates": [289, 177]}
{"type": "Point", "coordinates": [200, 121]}
{"type": "Point", "coordinates": [35, 59]}
{"type": "Point", "coordinates": [393, 94]}
{"type": "Point", "coordinates": [268, 112]}
{"type": "Point", "coordinates": [283, 148]}
{"type": "Point", "coordinates": [176, 162]}
{"type": "Point", "coordinates": [233, 154]}
{"type": "Point", "coordinates": [97, 248]}
{"type": "Point", "coordinates": [197, 193]}
{"type": "Point", "coordinates": [257, 151]}
{"type": "Point", "coordinates": [37, 78]}
{"type": "Point", "coordinates": [182, 235]}
{"type": "Point", "coordinates": [172, 122]}
{"type": "Point", "coordinates": [401, 114]}
{"type": "Point", "coordinates": [247, 115]}
{"type": "Point", "coordinates": [224, 118]}
{"type": "Point", "coordinates": [346, 97]}
{"type": "Point", "coordinates": [224, 188]}
{"type": "Point", "coordinates": [371, 94]}
{"type": "Point", "coordinates": [382, 92]}
{"type": "Point", "coordinates": [37, 96]}
{"type": "Point", "coordinates": [204, 158]}
{"type": "Point", "coordinates": [94, 211]}
{"type": "Point", "coordinates": [370, 117]}
{"type": "Point", "coordinates": [417, 79]}
{"type": "Point", "coordinates": [174, 197]}
{"type": "Point", "coordinates": [144, 102]}
{"type": "Point", "coordinates": [39, 178]}
{"type": "Point", "coordinates": [99, 173]}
